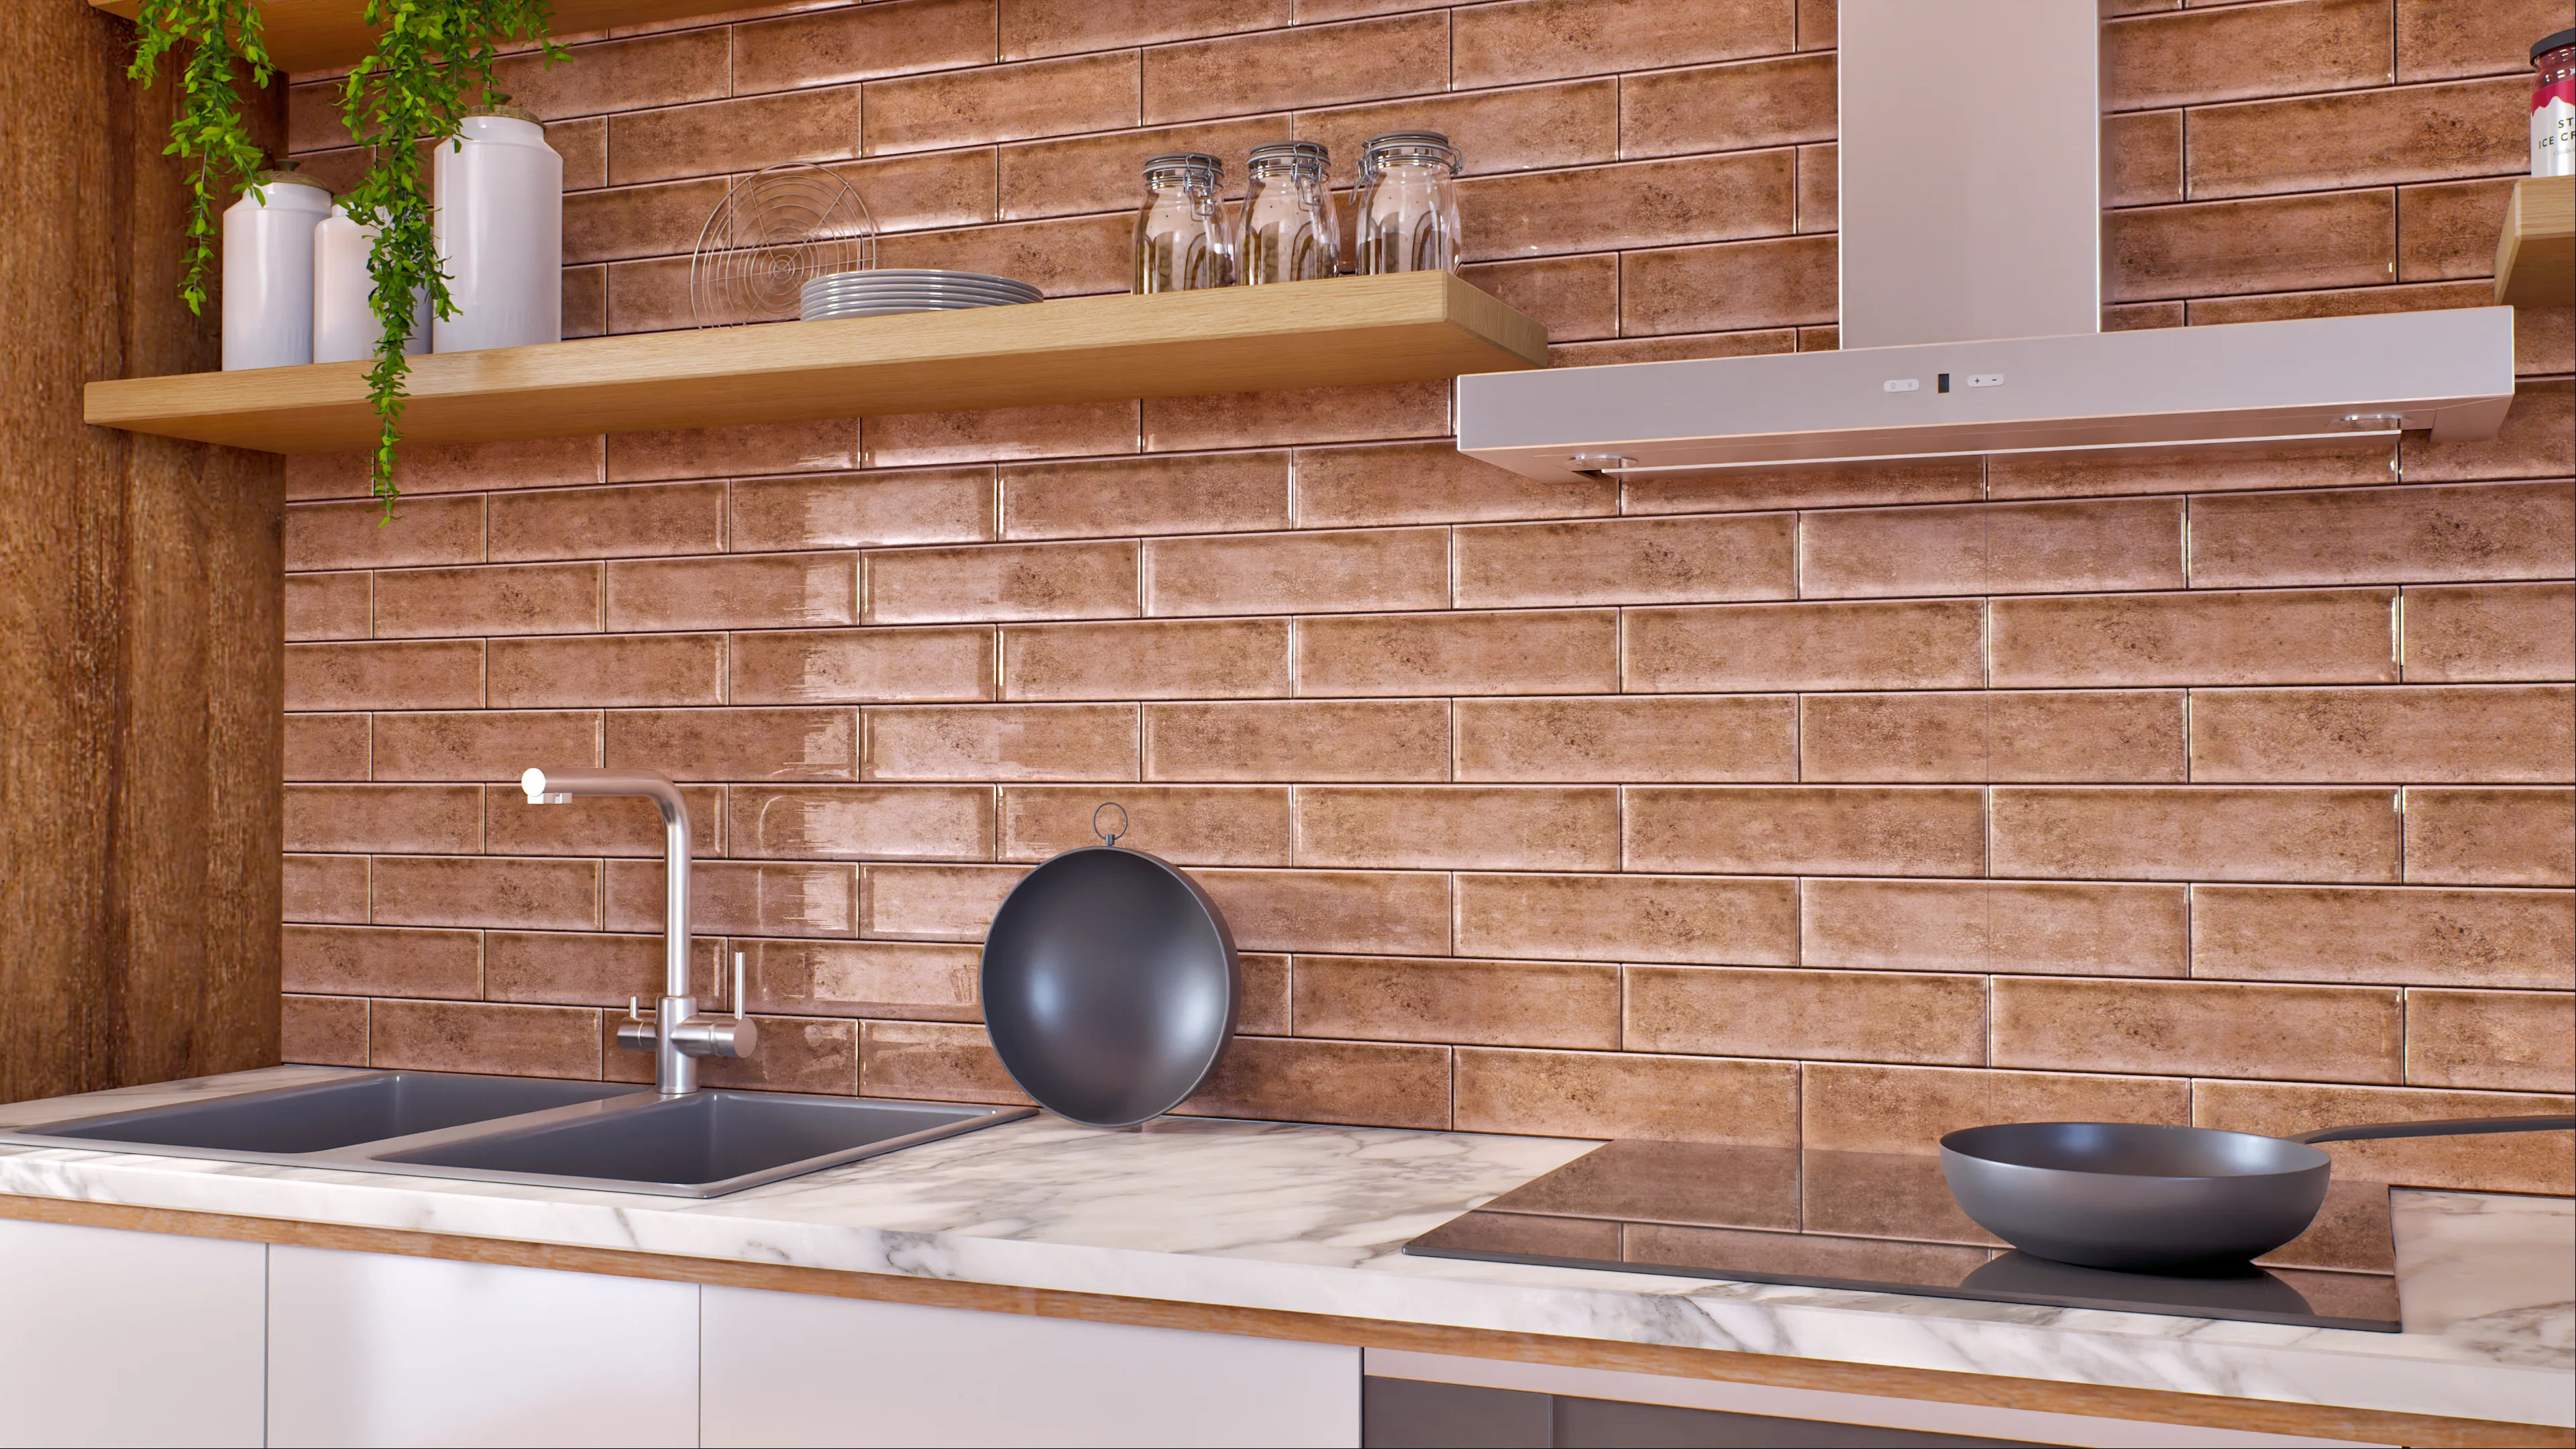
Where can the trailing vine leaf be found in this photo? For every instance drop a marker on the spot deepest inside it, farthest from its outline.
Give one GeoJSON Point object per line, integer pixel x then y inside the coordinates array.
{"type": "Point", "coordinates": [208, 128]}
{"type": "Point", "coordinates": [432, 63]}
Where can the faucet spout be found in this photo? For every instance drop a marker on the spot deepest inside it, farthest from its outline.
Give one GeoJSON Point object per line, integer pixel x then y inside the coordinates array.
{"type": "Point", "coordinates": [679, 1035]}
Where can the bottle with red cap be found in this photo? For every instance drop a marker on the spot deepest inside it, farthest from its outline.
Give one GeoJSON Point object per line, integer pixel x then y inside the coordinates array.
{"type": "Point", "coordinates": [2553, 106]}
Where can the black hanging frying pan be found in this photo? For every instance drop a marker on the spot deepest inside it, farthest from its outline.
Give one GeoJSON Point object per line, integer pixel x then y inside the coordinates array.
{"type": "Point", "coordinates": [1110, 984]}
{"type": "Point", "coordinates": [2139, 1197]}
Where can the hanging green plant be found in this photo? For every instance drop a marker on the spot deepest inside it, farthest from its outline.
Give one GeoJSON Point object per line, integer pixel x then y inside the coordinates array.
{"type": "Point", "coordinates": [433, 62]}
{"type": "Point", "coordinates": [208, 130]}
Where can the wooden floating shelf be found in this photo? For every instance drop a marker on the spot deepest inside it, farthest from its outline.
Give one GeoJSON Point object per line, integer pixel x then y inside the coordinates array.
{"type": "Point", "coordinates": [1345, 330]}
{"type": "Point", "coordinates": [2536, 256]}
{"type": "Point", "coordinates": [306, 35]}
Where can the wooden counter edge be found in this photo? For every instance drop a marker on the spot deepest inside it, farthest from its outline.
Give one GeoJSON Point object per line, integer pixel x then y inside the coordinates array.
{"type": "Point", "coordinates": [2048, 1396]}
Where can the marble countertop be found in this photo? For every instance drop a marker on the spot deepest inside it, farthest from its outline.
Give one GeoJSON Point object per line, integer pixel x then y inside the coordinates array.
{"type": "Point", "coordinates": [1311, 1219]}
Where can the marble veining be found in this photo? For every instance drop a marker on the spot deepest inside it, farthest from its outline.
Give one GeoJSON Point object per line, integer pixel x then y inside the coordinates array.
{"type": "Point", "coordinates": [1311, 1219]}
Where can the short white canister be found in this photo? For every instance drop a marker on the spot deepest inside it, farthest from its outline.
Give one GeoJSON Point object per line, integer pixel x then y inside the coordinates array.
{"type": "Point", "coordinates": [499, 189]}
{"type": "Point", "coordinates": [344, 321]}
{"type": "Point", "coordinates": [268, 271]}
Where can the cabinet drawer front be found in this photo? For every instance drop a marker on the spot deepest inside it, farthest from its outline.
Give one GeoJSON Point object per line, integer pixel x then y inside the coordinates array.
{"type": "Point", "coordinates": [789, 1369]}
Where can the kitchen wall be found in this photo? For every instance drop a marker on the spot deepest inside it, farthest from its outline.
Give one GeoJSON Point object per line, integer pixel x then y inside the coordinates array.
{"type": "Point", "coordinates": [1840, 807]}
{"type": "Point", "coordinates": [139, 653]}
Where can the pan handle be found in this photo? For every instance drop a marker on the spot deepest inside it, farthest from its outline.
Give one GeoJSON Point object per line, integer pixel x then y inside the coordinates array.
{"type": "Point", "coordinates": [2451, 1127]}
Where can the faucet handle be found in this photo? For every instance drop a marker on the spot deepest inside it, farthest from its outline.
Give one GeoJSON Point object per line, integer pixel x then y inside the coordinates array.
{"type": "Point", "coordinates": [738, 1001]}
{"type": "Point", "coordinates": [635, 1008]}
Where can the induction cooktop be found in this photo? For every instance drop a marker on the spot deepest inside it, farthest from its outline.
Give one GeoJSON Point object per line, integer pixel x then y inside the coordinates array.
{"type": "Point", "coordinates": [1885, 1223]}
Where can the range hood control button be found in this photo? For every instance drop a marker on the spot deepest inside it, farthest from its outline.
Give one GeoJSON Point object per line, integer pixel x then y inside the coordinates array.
{"type": "Point", "coordinates": [1985, 379]}
{"type": "Point", "coordinates": [1901, 384]}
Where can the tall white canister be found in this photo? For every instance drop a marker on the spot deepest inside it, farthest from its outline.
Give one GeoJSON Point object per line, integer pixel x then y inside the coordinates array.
{"type": "Point", "coordinates": [268, 270]}
{"type": "Point", "coordinates": [344, 321]}
{"type": "Point", "coordinates": [499, 190]}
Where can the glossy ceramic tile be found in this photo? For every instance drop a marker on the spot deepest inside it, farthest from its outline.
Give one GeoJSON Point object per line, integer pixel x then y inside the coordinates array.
{"type": "Point", "coordinates": [1882, 1016]}
{"type": "Point", "coordinates": [1394, 483]}
{"type": "Point", "coordinates": [1191, 825]}
{"type": "Point", "coordinates": [2024, 927]}
{"type": "Point", "coordinates": [2407, 937]}
{"type": "Point", "coordinates": [1317, 65]}
{"type": "Point", "coordinates": [1619, 740]}
{"type": "Point", "coordinates": [425, 819]}
{"type": "Point", "coordinates": [498, 599]}
{"type": "Point", "coordinates": [2499, 733]}
{"type": "Point", "coordinates": [376, 961]}
{"type": "Point", "coordinates": [860, 666]}
{"type": "Point", "coordinates": [1361, 740]}
{"type": "Point", "coordinates": [1630, 917]}
{"type": "Point", "coordinates": [1627, 1094]}
{"type": "Point", "coordinates": [1002, 742]}
{"type": "Point", "coordinates": [1482, 1003]}
{"type": "Point", "coordinates": [2524, 837]}
{"type": "Point", "coordinates": [2290, 834]}
{"type": "Point", "coordinates": [1538, 39]}
{"type": "Point", "coordinates": [852, 510]}
{"type": "Point", "coordinates": [1627, 561]}
{"type": "Point", "coordinates": [1770, 102]}
{"type": "Point", "coordinates": [2492, 632]}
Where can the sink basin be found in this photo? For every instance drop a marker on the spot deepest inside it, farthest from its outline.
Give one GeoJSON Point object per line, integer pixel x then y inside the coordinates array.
{"type": "Point", "coordinates": [700, 1145]}
{"type": "Point", "coordinates": [526, 1129]}
{"type": "Point", "coordinates": [330, 1115]}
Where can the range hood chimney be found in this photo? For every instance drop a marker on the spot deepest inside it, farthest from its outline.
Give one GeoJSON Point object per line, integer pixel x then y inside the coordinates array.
{"type": "Point", "coordinates": [1970, 249]}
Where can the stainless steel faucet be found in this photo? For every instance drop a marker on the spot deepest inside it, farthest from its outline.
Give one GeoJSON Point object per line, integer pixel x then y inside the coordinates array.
{"type": "Point", "coordinates": [675, 1033]}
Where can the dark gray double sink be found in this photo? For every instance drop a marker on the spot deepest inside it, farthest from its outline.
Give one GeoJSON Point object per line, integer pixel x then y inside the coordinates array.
{"type": "Point", "coordinates": [526, 1130]}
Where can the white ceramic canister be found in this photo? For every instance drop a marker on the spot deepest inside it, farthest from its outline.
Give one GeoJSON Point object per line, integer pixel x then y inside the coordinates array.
{"type": "Point", "coordinates": [268, 271]}
{"type": "Point", "coordinates": [344, 322]}
{"type": "Point", "coordinates": [499, 189]}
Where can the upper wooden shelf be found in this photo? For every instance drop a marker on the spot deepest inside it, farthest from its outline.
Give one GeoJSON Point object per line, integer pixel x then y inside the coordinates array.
{"type": "Point", "coordinates": [2536, 256]}
{"type": "Point", "coordinates": [305, 35]}
{"type": "Point", "coordinates": [1345, 330]}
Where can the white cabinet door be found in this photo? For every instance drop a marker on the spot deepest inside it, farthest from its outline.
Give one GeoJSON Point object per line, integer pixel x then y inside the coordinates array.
{"type": "Point", "coordinates": [365, 1348]}
{"type": "Point", "coordinates": [792, 1369]}
{"type": "Point", "coordinates": [112, 1337]}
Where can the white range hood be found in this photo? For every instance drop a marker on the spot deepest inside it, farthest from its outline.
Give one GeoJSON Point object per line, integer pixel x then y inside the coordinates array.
{"type": "Point", "coordinates": [1970, 244]}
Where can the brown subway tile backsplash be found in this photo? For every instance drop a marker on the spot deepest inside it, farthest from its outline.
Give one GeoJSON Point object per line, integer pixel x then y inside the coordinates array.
{"type": "Point", "coordinates": [2189, 1028]}
{"type": "Point", "coordinates": [1670, 739]}
{"type": "Point", "coordinates": [1186, 824]}
{"type": "Point", "coordinates": [860, 666]}
{"type": "Point", "coordinates": [1001, 742]}
{"type": "Point", "coordinates": [1840, 804]}
{"type": "Point", "coordinates": [2462, 733]}
{"type": "Point", "coordinates": [490, 600]}
{"type": "Point", "coordinates": [1627, 561]}
{"type": "Point", "coordinates": [1913, 645]}
{"type": "Point", "coordinates": [2402, 937]}
{"type": "Point", "coordinates": [2320, 636]}
{"type": "Point", "coordinates": [1871, 1016]}
{"type": "Point", "coordinates": [2385, 535]}
{"type": "Point", "coordinates": [1483, 1003]}
{"type": "Point", "coordinates": [1628, 1094]}
{"type": "Point", "coordinates": [852, 510]}
{"type": "Point", "coordinates": [764, 592]}
{"type": "Point", "coordinates": [1696, 918]}
{"type": "Point", "coordinates": [1387, 740]}
{"type": "Point", "coordinates": [1308, 65]}
{"type": "Point", "coordinates": [1771, 102]}
{"type": "Point", "coordinates": [1359, 571]}
{"type": "Point", "coordinates": [406, 819]}
{"type": "Point", "coordinates": [2491, 632]}
{"type": "Point", "coordinates": [2524, 837]}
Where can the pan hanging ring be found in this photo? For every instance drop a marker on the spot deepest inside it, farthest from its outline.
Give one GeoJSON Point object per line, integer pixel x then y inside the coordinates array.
{"type": "Point", "coordinates": [1109, 837]}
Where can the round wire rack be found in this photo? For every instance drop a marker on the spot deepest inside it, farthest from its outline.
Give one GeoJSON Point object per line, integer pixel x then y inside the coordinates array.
{"type": "Point", "coordinates": [776, 230]}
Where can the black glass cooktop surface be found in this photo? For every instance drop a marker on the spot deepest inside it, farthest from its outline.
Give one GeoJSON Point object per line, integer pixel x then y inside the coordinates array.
{"type": "Point", "coordinates": [1885, 1223]}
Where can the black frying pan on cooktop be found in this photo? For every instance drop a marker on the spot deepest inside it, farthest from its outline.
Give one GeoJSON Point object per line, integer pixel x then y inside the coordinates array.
{"type": "Point", "coordinates": [1110, 985]}
{"type": "Point", "coordinates": [2134, 1196]}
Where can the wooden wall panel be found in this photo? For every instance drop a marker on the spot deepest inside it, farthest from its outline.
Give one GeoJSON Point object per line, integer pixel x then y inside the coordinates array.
{"type": "Point", "coordinates": [140, 656]}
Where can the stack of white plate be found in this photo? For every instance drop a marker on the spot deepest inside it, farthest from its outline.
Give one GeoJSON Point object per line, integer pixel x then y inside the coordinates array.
{"type": "Point", "coordinates": [885, 292]}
